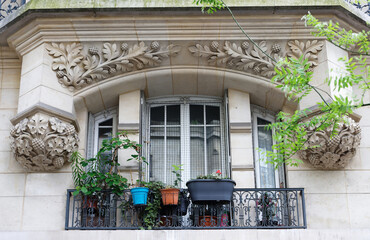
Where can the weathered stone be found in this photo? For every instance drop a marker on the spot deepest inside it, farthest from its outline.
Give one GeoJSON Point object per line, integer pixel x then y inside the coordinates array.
{"type": "Point", "coordinates": [43, 143]}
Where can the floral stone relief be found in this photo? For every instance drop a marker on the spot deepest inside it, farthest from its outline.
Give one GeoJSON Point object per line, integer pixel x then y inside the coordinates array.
{"type": "Point", "coordinates": [249, 58]}
{"type": "Point", "coordinates": [76, 69]}
{"type": "Point", "coordinates": [43, 143]}
{"type": "Point", "coordinates": [325, 152]}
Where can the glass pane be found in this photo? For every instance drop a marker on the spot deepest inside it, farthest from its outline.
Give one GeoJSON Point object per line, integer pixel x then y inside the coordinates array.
{"type": "Point", "coordinates": [196, 114]}
{"type": "Point", "coordinates": [173, 153]}
{"type": "Point", "coordinates": [213, 115]}
{"type": "Point", "coordinates": [106, 123]}
{"type": "Point", "coordinates": [197, 164]}
{"type": "Point", "coordinates": [104, 133]}
{"type": "Point", "coordinates": [267, 170]}
{"type": "Point", "coordinates": [214, 150]}
{"type": "Point", "coordinates": [173, 115]}
{"type": "Point", "coordinates": [157, 155]}
{"type": "Point", "coordinates": [157, 115]}
{"type": "Point", "coordinates": [261, 121]}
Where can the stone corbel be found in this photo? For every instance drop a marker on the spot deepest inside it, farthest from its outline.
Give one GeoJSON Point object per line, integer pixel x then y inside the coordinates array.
{"type": "Point", "coordinates": [332, 153]}
{"type": "Point", "coordinates": [42, 140]}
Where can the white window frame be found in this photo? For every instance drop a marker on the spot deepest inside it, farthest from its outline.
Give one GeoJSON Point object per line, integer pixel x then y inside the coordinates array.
{"type": "Point", "coordinates": [93, 129]}
{"type": "Point", "coordinates": [185, 102]}
{"type": "Point", "coordinates": [258, 112]}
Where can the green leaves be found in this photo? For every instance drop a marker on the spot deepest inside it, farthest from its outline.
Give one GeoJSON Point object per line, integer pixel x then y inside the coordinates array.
{"type": "Point", "coordinates": [91, 175]}
{"type": "Point", "coordinates": [210, 6]}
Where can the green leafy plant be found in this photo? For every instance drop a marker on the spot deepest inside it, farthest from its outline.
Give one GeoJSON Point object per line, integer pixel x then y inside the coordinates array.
{"type": "Point", "coordinates": [177, 171]}
{"type": "Point", "coordinates": [101, 172]}
{"type": "Point", "coordinates": [150, 217]}
{"type": "Point", "coordinates": [293, 77]}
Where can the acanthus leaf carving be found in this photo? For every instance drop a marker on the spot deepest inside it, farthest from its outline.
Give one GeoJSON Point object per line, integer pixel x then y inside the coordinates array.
{"type": "Point", "coordinates": [43, 143]}
{"type": "Point", "coordinates": [325, 152]}
{"type": "Point", "coordinates": [76, 70]}
{"type": "Point", "coordinates": [247, 57]}
{"type": "Point", "coordinates": [308, 51]}
{"type": "Point", "coordinates": [243, 57]}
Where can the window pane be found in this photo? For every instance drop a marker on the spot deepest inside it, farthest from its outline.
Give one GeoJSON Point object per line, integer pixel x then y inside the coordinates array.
{"type": "Point", "coordinates": [173, 153]}
{"type": "Point", "coordinates": [108, 123]}
{"type": "Point", "coordinates": [173, 115]}
{"type": "Point", "coordinates": [157, 116]}
{"type": "Point", "coordinates": [213, 115]}
{"type": "Point", "coordinates": [214, 149]}
{"type": "Point", "coordinates": [196, 115]}
{"type": "Point", "coordinates": [157, 155]}
{"type": "Point", "coordinates": [261, 121]}
{"type": "Point", "coordinates": [267, 171]}
{"type": "Point", "coordinates": [197, 152]}
{"type": "Point", "coordinates": [103, 134]}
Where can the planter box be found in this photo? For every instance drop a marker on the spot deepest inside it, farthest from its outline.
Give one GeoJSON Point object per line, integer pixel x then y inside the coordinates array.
{"type": "Point", "coordinates": [211, 190]}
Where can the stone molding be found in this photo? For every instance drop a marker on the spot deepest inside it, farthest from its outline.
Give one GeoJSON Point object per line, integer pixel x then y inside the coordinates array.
{"type": "Point", "coordinates": [332, 153]}
{"type": "Point", "coordinates": [48, 110]}
{"type": "Point", "coordinates": [248, 58]}
{"type": "Point", "coordinates": [76, 69]}
{"type": "Point", "coordinates": [77, 66]}
{"type": "Point", "coordinates": [42, 142]}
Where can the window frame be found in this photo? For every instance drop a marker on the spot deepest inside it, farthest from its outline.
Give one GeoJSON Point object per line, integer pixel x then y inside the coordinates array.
{"type": "Point", "coordinates": [185, 102]}
{"type": "Point", "coordinates": [93, 128]}
{"type": "Point", "coordinates": [259, 112]}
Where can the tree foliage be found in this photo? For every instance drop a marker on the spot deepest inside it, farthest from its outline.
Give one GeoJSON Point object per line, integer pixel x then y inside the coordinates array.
{"type": "Point", "coordinates": [294, 77]}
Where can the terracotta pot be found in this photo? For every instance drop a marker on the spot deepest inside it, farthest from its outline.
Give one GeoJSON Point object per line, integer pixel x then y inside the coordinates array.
{"type": "Point", "coordinates": [170, 196]}
{"type": "Point", "coordinates": [207, 221]}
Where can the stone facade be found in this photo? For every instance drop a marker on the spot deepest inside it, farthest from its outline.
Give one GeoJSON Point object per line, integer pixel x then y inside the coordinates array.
{"type": "Point", "coordinates": [56, 70]}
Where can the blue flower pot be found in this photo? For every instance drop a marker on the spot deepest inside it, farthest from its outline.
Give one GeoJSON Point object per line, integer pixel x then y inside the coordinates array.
{"type": "Point", "coordinates": [139, 195]}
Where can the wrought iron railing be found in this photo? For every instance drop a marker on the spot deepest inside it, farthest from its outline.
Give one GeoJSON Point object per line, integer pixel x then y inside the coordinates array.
{"type": "Point", "coordinates": [9, 6]}
{"type": "Point", "coordinates": [250, 208]}
{"type": "Point", "coordinates": [364, 6]}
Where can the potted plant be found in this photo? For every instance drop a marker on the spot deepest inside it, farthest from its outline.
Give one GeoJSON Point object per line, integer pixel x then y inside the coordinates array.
{"type": "Point", "coordinates": [97, 178]}
{"type": "Point", "coordinates": [211, 188]}
{"type": "Point", "coordinates": [267, 209]}
{"type": "Point", "coordinates": [170, 194]}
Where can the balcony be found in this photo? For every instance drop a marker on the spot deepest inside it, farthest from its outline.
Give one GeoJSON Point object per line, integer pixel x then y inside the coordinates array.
{"type": "Point", "coordinates": [250, 209]}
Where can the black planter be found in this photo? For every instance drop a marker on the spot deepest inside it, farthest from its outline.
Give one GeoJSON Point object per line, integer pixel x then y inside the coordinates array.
{"type": "Point", "coordinates": [204, 191]}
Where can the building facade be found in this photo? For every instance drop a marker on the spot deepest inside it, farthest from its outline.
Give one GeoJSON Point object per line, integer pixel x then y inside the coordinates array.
{"type": "Point", "coordinates": [192, 90]}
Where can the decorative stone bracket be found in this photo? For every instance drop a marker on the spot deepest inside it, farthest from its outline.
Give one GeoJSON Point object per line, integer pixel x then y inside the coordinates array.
{"type": "Point", "coordinates": [332, 153]}
{"type": "Point", "coordinates": [247, 57]}
{"type": "Point", "coordinates": [42, 142]}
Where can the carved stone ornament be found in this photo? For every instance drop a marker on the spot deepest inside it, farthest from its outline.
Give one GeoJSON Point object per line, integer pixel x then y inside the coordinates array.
{"type": "Point", "coordinates": [43, 143]}
{"type": "Point", "coordinates": [325, 153]}
{"type": "Point", "coordinates": [76, 69]}
{"type": "Point", "coordinates": [249, 58]}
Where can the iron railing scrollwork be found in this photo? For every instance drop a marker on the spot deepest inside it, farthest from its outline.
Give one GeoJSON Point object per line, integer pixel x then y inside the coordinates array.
{"type": "Point", "coordinates": [250, 208]}
{"type": "Point", "coordinates": [362, 5]}
{"type": "Point", "coordinates": [9, 6]}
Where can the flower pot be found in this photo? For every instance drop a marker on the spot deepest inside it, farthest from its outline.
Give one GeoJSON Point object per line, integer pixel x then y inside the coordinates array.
{"type": "Point", "coordinates": [170, 196]}
{"type": "Point", "coordinates": [207, 221]}
{"type": "Point", "coordinates": [139, 195]}
{"type": "Point", "coordinates": [211, 190]}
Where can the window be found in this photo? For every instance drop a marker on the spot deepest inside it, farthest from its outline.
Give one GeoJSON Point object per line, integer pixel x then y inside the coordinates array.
{"type": "Point", "coordinates": [266, 174]}
{"type": "Point", "coordinates": [187, 131]}
{"type": "Point", "coordinates": [102, 126]}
